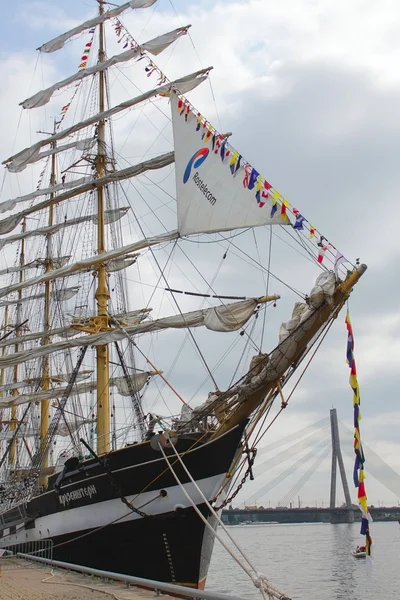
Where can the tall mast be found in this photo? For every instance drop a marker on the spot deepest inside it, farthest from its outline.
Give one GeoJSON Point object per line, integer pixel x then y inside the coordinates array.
{"type": "Point", "coordinates": [3, 352]}
{"type": "Point", "coordinates": [45, 404]}
{"type": "Point", "coordinates": [15, 392]}
{"type": "Point", "coordinates": [102, 294]}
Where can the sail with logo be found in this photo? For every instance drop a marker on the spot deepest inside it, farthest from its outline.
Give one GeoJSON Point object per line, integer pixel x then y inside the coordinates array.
{"type": "Point", "coordinates": [153, 311]}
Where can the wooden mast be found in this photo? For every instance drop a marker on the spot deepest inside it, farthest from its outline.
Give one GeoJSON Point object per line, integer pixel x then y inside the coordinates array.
{"type": "Point", "coordinates": [45, 404]}
{"type": "Point", "coordinates": [15, 392]}
{"type": "Point", "coordinates": [102, 294]}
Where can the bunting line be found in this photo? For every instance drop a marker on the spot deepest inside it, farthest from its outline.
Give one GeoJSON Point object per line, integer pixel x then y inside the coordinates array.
{"type": "Point", "coordinates": [237, 164]}
{"type": "Point", "coordinates": [253, 180]}
{"type": "Point", "coordinates": [358, 471]}
{"type": "Point", "coordinates": [64, 109]}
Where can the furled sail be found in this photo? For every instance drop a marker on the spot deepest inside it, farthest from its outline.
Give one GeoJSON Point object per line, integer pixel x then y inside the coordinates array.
{"type": "Point", "coordinates": [58, 261]}
{"type": "Point", "coordinates": [58, 42]}
{"type": "Point", "coordinates": [215, 192]}
{"type": "Point", "coordinates": [59, 295]}
{"type": "Point", "coordinates": [119, 264]}
{"type": "Point", "coordinates": [230, 317]}
{"type": "Point", "coordinates": [127, 319]}
{"type": "Point", "coordinates": [63, 429]}
{"type": "Point", "coordinates": [155, 46]}
{"type": "Point", "coordinates": [138, 380]}
{"type": "Point", "coordinates": [183, 85]}
{"type": "Point", "coordinates": [12, 202]}
{"type": "Point", "coordinates": [81, 145]}
{"type": "Point", "coordinates": [110, 216]}
{"type": "Point", "coordinates": [8, 224]}
{"type": "Point", "coordinates": [84, 263]}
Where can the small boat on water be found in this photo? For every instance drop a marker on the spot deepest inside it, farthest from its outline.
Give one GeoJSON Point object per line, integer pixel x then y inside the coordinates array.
{"type": "Point", "coordinates": [359, 552]}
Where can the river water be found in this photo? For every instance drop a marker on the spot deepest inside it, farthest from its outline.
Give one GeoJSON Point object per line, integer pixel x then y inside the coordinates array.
{"type": "Point", "coordinates": [311, 561]}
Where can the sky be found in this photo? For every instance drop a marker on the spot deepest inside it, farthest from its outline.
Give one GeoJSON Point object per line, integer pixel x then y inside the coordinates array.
{"type": "Point", "coordinates": [310, 89]}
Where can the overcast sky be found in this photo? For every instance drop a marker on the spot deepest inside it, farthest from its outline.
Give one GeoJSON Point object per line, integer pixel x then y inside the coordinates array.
{"type": "Point", "coordinates": [310, 89]}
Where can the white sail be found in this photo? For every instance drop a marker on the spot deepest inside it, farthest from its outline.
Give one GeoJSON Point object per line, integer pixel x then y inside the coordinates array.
{"type": "Point", "coordinates": [36, 381]}
{"type": "Point", "coordinates": [58, 42]}
{"type": "Point", "coordinates": [59, 295]}
{"type": "Point", "coordinates": [183, 85]}
{"type": "Point", "coordinates": [58, 262]}
{"type": "Point", "coordinates": [88, 262]}
{"type": "Point", "coordinates": [12, 203]}
{"type": "Point", "coordinates": [63, 429]}
{"type": "Point", "coordinates": [8, 224]}
{"type": "Point", "coordinates": [19, 165]}
{"type": "Point", "coordinates": [209, 197]}
{"type": "Point", "coordinates": [161, 42]}
{"type": "Point", "coordinates": [127, 319]}
{"type": "Point", "coordinates": [110, 216]}
{"type": "Point", "coordinates": [119, 264]}
{"type": "Point", "coordinates": [154, 46]}
{"type": "Point", "coordinates": [222, 319]}
{"type": "Point", "coordinates": [138, 380]}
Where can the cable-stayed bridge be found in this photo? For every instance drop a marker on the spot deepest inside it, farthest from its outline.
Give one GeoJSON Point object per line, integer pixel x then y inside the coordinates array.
{"type": "Point", "coordinates": [309, 447]}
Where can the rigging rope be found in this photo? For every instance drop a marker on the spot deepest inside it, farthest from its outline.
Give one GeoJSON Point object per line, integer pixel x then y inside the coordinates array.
{"type": "Point", "coordinates": [259, 580]}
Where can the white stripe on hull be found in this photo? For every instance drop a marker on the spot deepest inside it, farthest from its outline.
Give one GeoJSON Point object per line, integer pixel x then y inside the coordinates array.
{"type": "Point", "coordinates": [104, 513]}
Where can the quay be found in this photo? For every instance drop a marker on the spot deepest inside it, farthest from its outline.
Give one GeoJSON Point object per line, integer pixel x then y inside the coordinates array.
{"type": "Point", "coordinates": [27, 577]}
{"type": "Point", "coordinates": [23, 580]}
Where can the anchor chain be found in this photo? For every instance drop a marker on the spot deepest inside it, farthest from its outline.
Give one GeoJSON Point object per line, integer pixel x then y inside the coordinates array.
{"type": "Point", "coordinates": [248, 472]}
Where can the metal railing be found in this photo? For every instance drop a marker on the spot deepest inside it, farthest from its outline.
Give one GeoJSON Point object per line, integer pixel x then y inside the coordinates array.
{"type": "Point", "coordinates": [12, 559]}
{"type": "Point", "coordinates": [157, 586]}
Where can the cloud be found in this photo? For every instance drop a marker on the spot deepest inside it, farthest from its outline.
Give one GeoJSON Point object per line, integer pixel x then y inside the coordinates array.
{"type": "Point", "coordinates": [310, 91]}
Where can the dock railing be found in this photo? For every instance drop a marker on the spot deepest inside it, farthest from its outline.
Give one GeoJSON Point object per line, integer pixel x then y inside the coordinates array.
{"type": "Point", "coordinates": [157, 586]}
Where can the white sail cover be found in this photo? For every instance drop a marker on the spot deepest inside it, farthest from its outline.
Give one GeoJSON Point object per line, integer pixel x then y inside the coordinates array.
{"type": "Point", "coordinates": [127, 319]}
{"type": "Point", "coordinates": [154, 46]}
{"type": "Point", "coordinates": [58, 262]}
{"type": "Point", "coordinates": [58, 42]}
{"type": "Point", "coordinates": [210, 195]}
{"type": "Point", "coordinates": [8, 224]}
{"type": "Point", "coordinates": [89, 262]}
{"type": "Point", "coordinates": [19, 165]}
{"type": "Point", "coordinates": [12, 202]}
{"type": "Point", "coordinates": [63, 429]}
{"type": "Point", "coordinates": [59, 295]}
{"type": "Point", "coordinates": [110, 216]}
{"type": "Point", "coordinates": [183, 85]}
{"type": "Point", "coordinates": [230, 317]}
{"type": "Point", "coordinates": [138, 380]}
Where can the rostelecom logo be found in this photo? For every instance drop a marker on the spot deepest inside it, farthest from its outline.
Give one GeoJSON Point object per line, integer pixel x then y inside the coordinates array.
{"type": "Point", "coordinates": [197, 159]}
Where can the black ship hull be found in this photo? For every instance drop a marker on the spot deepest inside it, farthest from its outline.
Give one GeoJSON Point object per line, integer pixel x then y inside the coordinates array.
{"type": "Point", "coordinates": [87, 520]}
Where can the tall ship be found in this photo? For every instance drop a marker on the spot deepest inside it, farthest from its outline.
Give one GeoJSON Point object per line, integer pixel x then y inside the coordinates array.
{"type": "Point", "coordinates": [157, 310]}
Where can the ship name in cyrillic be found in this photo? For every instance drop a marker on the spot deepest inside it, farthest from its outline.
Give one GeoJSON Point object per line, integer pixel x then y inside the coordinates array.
{"type": "Point", "coordinates": [83, 492]}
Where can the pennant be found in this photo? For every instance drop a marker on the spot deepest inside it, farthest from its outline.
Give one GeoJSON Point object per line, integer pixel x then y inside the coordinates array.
{"type": "Point", "coordinates": [358, 470]}
{"type": "Point", "coordinates": [299, 223]}
{"type": "Point", "coordinates": [285, 205]}
{"type": "Point", "coordinates": [275, 197]}
{"type": "Point", "coordinates": [254, 175]}
{"type": "Point", "coordinates": [321, 253]}
{"type": "Point", "coordinates": [232, 163]}
{"type": "Point", "coordinates": [224, 153]}
{"type": "Point", "coordinates": [312, 232]}
{"type": "Point", "coordinates": [339, 259]}
{"type": "Point", "coordinates": [198, 123]}
{"type": "Point", "coordinates": [238, 165]}
{"type": "Point", "coordinates": [247, 173]}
